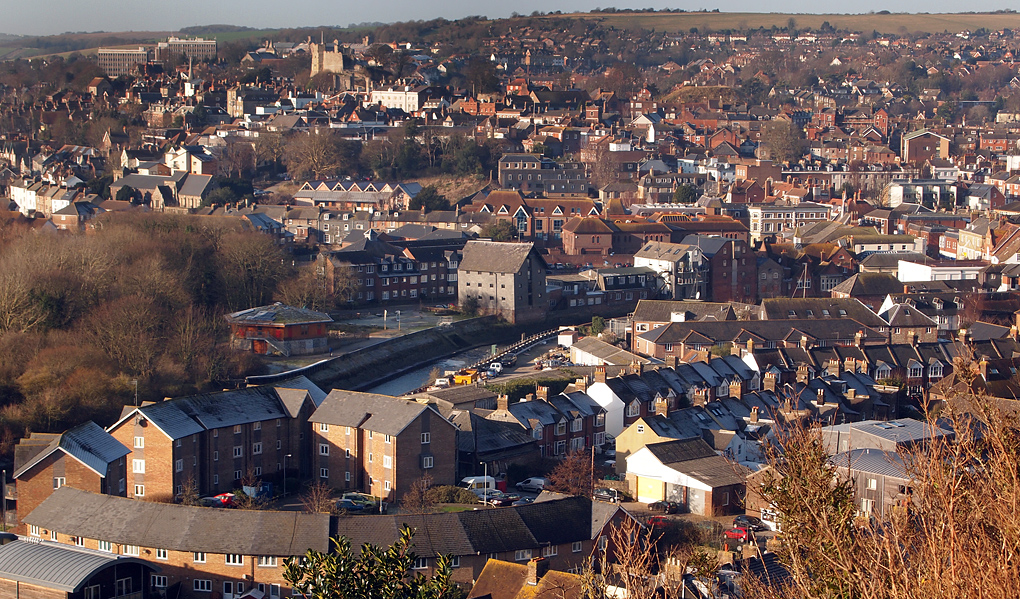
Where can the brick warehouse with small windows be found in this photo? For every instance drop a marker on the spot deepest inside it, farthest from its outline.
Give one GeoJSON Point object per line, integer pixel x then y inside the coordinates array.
{"type": "Point", "coordinates": [381, 444]}
{"type": "Point", "coordinates": [216, 439]}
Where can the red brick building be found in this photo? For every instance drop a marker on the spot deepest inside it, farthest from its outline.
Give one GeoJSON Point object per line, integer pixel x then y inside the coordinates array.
{"type": "Point", "coordinates": [279, 329]}
{"type": "Point", "coordinates": [381, 444]}
{"type": "Point", "coordinates": [85, 457]}
{"type": "Point", "coordinates": [213, 440]}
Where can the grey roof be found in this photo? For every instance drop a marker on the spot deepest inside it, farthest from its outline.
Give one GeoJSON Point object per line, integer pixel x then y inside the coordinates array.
{"type": "Point", "coordinates": [278, 314]}
{"type": "Point", "coordinates": [494, 256]}
{"type": "Point", "coordinates": [662, 250]}
{"type": "Point", "coordinates": [681, 450]}
{"type": "Point", "coordinates": [905, 315]}
{"type": "Point", "coordinates": [370, 411]}
{"type": "Point", "coordinates": [178, 527]}
{"type": "Point", "coordinates": [899, 431]}
{"type": "Point", "coordinates": [88, 443]}
{"type": "Point", "coordinates": [819, 307]}
{"type": "Point", "coordinates": [60, 567]}
{"type": "Point", "coordinates": [606, 352]}
{"type": "Point", "coordinates": [189, 415]}
{"type": "Point", "coordinates": [872, 461]}
{"type": "Point", "coordinates": [662, 310]}
{"type": "Point", "coordinates": [556, 521]}
{"type": "Point", "coordinates": [195, 185]}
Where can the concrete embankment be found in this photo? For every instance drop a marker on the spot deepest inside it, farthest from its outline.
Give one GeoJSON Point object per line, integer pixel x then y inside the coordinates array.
{"type": "Point", "coordinates": [368, 366]}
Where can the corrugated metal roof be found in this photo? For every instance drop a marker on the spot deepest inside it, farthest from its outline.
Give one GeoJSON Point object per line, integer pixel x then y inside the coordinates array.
{"type": "Point", "coordinates": [55, 566]}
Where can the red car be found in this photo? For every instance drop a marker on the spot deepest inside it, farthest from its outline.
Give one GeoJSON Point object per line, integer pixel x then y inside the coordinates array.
{"type": "Point", "coordinates": [739, 533]}
{"type": "Point", "coordinates": [658, 521]}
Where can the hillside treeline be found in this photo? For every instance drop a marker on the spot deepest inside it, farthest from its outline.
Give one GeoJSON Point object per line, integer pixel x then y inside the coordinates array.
{"type": "Point", "coordinates": [140, 298]}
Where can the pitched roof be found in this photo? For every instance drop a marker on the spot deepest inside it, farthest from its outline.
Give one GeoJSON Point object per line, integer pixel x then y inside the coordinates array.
{"type": "Point", "coordinates": [507, 580]}
{"type": "Point", "coordinates": [52, 566]}
{"type": "Point", "coordinates": [662, 310]}
{"type": "Point", "coordinates": [606, 352]}
{"type": "Point", "coordinates": [88, 443]}
{"type": "Point", "coordinates": [178, 527]}
{"type": "Point", "coordinates": [370, 411]}
{"type": "Point", "coordinates": [869, 284]}
{"type": "Point", "coordinates": [494, 256]}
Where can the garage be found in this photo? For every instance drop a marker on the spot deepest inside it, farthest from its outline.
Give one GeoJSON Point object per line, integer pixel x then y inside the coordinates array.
{"type": "Point", "coordinates": [650, 490]}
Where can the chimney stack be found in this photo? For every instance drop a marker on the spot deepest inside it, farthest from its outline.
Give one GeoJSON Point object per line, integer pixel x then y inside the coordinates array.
{"type": "Point", "coordinates": [637, 368]}
{"type": "Point", "coordinates": [502, 402]}
{"type": "Point", "coordinates": [529, 397]}
{"type": "Point", "coordinates": [581, 384]}
{"type": "Point", "coordinates": [769, 382]}
{"type": "Point", "coordinates": [983, 367]}
{"type": "Point", "coordinates": [754, 415]}
{"type": "Point", "coordinates": [542, 392]}
{"type": "Point", "coordinates": [859, 338]}
{"type": "Point", "coordinates": [821, 397]}
{"type": "Point", "coordinates": [672, 361]}
{"type": "Point", "coordinates": [662, 406]}
{"type": "Point", "coordinates": [537, 568]}
{"type": "Point", "coordinates": [600, 374]}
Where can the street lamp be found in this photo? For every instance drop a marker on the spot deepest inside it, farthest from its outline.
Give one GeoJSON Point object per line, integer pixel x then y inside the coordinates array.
{"type": "Point", "coordinates": [284, 492]}
{"type": "Point", "coordinates": [485, 483]}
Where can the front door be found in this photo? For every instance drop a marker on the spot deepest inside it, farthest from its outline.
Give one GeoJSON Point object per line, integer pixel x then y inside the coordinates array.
{"type": "Point", "coordinates": [259, 346]}
{"type": "Point", "coordinates": [228, 590]}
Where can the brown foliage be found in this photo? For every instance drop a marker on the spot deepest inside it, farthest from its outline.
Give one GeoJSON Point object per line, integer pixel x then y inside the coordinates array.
{"type": "Point", "coordinates": [573, 475]}
{"type": "Point", "coordinates": [956, 531]}
{"type": "Point", "coordinates": [318, 499]}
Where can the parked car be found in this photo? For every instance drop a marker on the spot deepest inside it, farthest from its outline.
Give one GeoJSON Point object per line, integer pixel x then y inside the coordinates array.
{"type": "Point", "coordinates": [658, 521]}
{"type": "Point", "coordinates": [498, 498]}
{"type": "Point", "coordinates": [739, 533]}
{"type": "Point", "coordinates": [349, 506]}
{"type": "Point", "coordinates": [367, 502]}
{"type": "Point", "coordinates": [497, 366]}
{"type": "Point", "coordinates": [666, 507]}
{"type": "Point", "coordinates": [535, 484]}
{"type": "Point", "coordinates": [509, 361]}
{"type": "Point", "coordinates": [605, 494]}
{"type": "Point", "coordinates": [751, 522]}
{"type": "Point", "coordinates": [523, 501]}
{"type": "Point", "coordinates": [221, 500]}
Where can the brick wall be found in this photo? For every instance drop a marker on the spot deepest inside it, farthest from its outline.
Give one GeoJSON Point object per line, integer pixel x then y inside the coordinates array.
{"type": "Point", "coordinates": [35, 485]}
{"type": "Point", "coordinates": [157, 452]}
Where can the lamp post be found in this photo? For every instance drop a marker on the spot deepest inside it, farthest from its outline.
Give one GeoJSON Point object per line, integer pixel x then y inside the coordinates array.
{"type": "Point", "coordinates": [135, 382]}
{"type": "Point", "coordinates": [485, 483]}
{"type": "Point", "coordinates": [284, 492]}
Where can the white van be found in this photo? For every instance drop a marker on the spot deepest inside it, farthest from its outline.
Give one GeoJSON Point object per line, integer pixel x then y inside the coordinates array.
{"type": "Point", "coordinates": [477, 483]}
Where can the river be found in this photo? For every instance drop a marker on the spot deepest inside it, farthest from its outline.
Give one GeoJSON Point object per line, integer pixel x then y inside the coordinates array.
{"type": "Point", "coordinates": [419, 376]}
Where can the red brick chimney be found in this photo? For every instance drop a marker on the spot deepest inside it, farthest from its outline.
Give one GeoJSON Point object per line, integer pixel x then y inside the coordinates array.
{"type": "Point", "coordinates": [537, 568]}
{"type": "Point", "coordinates": [600, 374]}
{"type": "Point", "coordinates": [542, 392]}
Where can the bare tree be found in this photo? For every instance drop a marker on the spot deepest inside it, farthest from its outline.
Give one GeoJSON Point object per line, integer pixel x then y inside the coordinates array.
{"type": "Point", "coordinates": [573, 475]}
{"type": "Point", "coordinates": [416, 500]}
{"type": "Point", "coordinates": [318, 499]}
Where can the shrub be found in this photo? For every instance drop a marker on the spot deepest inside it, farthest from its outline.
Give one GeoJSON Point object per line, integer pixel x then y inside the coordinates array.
{"type": "Point", "coordinates": [450, 494]}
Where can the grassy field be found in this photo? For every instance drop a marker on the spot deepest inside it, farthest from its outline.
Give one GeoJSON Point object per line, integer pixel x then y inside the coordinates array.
{"type": "Point", "coordinates": [883, 23]}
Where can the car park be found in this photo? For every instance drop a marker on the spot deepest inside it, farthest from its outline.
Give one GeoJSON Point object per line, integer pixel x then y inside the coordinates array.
{"type": "Point", "coordinates": [666, 507]}
{"type": "Point", "coordinates": [535, 484]}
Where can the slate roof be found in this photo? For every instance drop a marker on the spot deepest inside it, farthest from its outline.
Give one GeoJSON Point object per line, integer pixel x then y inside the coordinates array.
{"type": "Point", "coordinates": [816, 308]}
{"type": "Point", "coordinates": [88, 443]}
{"type": "Point", "coordinates": [716, 332]}
{"type": "Point", "coordinates": [370, 411]}
{"type": "Point", "coordinates": [54, 566]}
{"type": "Point", "coordinates": [864, 284]}
{"type": "Point", "coordinates": [189, 415]}
{"type": "Point", "coordinates": [902, 431]}
{"type": "Point", "coordinates": [905, 315]}
{"type": "Point", "coordinates": [490, 437]}
{"type": "Point", "coordinates": [558, 521]}
{"type": "Point", "coordinates": [494, 256]}
{"type": "Point", "coordinates": [277, 314]}
{"type": "Point", "coordinates": [178, 527]}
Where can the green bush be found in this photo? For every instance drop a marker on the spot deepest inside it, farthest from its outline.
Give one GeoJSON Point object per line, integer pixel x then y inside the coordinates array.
{"type": "Point", "coordinates": [450, 494]}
